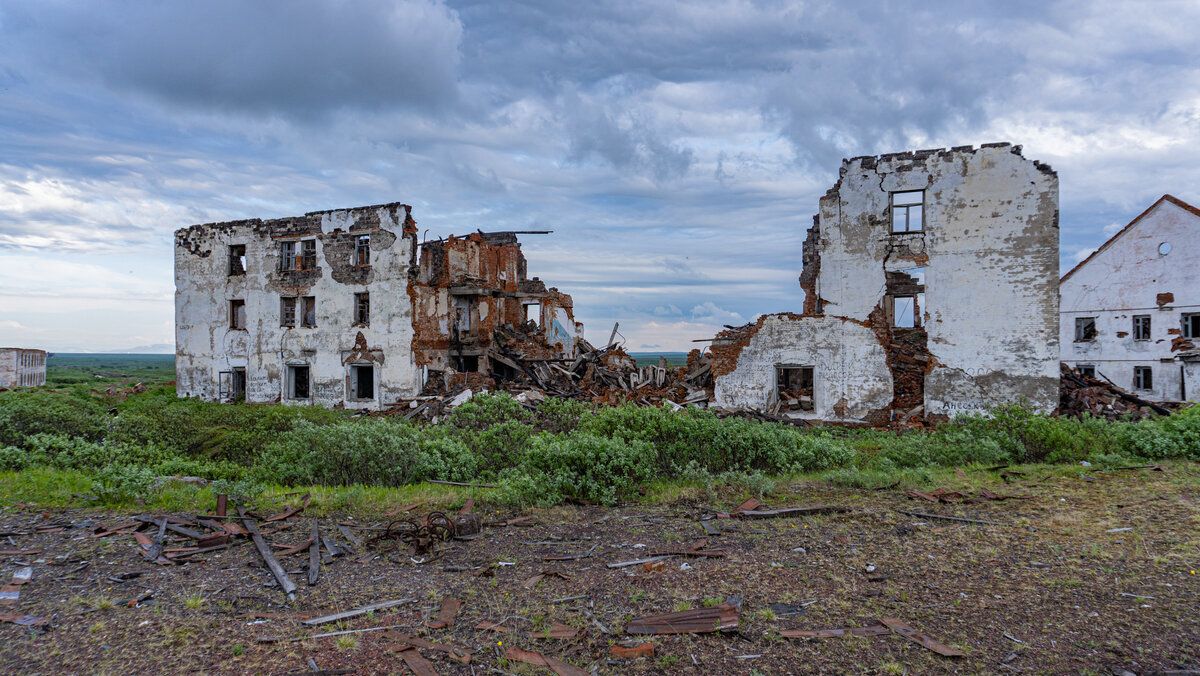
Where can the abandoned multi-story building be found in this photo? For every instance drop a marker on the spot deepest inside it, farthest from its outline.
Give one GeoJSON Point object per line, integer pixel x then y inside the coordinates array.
{"type": "Point", "coordinates": [21, 367]}
{"type": "Point", "coordinates": [1131, 310]}
{"type": "Point", "coordinates": [345, 308]}
{"type": "Point", "coordinates": [930, 284]}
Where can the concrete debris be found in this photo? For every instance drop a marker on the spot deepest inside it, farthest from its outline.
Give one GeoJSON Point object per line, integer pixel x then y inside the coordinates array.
{"type": "Point", "coordinates": [1081, 394]}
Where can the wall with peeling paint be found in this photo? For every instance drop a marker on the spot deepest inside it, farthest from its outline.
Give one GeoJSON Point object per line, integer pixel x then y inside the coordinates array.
{"type": "Point", "coordinates": [989, 251]}
{"type": "Point", "coordinates": [21, 367]}
{"type": "Point", "coordinates": [206, 346]}
{"type": "Point", "coordinates": [1127, 277]}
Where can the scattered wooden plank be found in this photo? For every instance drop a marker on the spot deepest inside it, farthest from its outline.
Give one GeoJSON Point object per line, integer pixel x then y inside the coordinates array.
{"type": "Point", "coordinates": [952, 518]}
{"type": "Point", "coordinates": [349, 536]}
{"type": "Point", "coordinates": [419, 665]}
{"type": "Point", "coordinates": [790, 511]}
{"type": "Point", "coordinates": [357, 611]}
{"type": "Point", "coordinates": [284, 550]}
{"type": "Point", "coordinates": [314, 555]}
{"type": "Point", "coordinates": [873, 630]}
{"type": "Point", "coordinates": [710, 528]}
{"type": "Point", "coordinates": [456, 653]}
{"type": "Point", "coordinates": [156, 548]}
{"type": "Point", "coordinates": [557, 666]}
{"type": "Point", "coordinates": [638, 562]}
{"type": "Point", "coordinates": [288, 513]}
{"type": "Point", "coordinates": [917, 637]}
{"type": "Point", "coordinates": [281, 576]}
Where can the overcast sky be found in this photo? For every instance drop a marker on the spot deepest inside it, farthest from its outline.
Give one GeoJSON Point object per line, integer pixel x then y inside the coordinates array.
{"type": "Point", "coordinates": [677, 150]}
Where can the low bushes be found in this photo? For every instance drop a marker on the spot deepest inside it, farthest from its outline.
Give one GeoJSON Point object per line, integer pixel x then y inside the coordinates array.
{"type": "Point", "coordinates": [538, 455]}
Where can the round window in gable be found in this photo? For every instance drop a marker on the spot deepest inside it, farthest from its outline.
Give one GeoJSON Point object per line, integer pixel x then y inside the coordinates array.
{"type": "Point", "coordinates": [1164, 248]}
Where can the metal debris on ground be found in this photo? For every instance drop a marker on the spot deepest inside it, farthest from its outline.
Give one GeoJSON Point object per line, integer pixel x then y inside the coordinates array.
{"type": "Point", "coordinates": [720, 617]}
{"type": "Point", "coordinates": [887, 625]}
{"type": "Point", "coordinates": [557, 666]}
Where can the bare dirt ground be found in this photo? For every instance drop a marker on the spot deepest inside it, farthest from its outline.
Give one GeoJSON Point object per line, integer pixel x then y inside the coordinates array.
{"type": "Point", "coordinates": [1096, 572]}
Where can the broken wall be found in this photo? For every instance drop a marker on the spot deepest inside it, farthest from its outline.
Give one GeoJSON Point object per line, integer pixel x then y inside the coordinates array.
{"type": "Point", "coordinates": [21, 367]}
{"type": "Point", "coordinates": [208, 348]}
{"type": "Point", "coordinates": [986, 254]}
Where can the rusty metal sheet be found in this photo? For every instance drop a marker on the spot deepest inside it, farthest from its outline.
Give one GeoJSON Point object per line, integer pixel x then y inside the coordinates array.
{"type": "Point", "coordinates": [924, 639]}
{"type": "Point", "coordinates": [721, 617]}
{"type": "Point", "coordinates": [446, 614]}
{"type": "Point", "coordinates": [876, 630]}
{"type": "Point", "coordinates": [23, 620]}
{"type": "Point", "coordinates": [419, 665]}
{"type": "Point", "coordinates": [557, 630]}
{"type": "Point", "coordinates": [749, 506]}
{"type": "Point", "coordinates": [456, 653]}
{"type": "Point", "coordinates": [557, 666]}
{"type": "Point", "coordinates": [643, 650]}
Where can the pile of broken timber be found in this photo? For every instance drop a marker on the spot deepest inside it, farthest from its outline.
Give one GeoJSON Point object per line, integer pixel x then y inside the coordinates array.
{"type": "Point", "coordinates": [1080, 394]}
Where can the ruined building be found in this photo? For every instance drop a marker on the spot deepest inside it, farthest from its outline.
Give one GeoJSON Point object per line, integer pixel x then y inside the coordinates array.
{"type": "Point", "coordinates": [346, 308]}
{"type": "Point", "coordinates": [1131, 310]}
{"type": "Point", "coordinates": [930, 285]}
{"type": "Point", "coordinates": [22, 368]}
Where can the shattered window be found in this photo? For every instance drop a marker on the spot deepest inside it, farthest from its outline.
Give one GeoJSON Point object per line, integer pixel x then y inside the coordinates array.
{"type": "Point", "coordinates": [908, 211]}
{"type": "Point", "coordinates": [1141, 327]}
{"type": "Point", "coordinates": [287, 311]}
{"type": "Point", "coordinates": [1191, 325]}
{"type": "Point", "coordinates": [298, 381]}
{"type": "Point", "coordinates": [1143, 378]}
{"type": "Point", "coordinates": [287, 255]}
{"type": "Point", "coordinates": [308, 259]}
{"type": "Point", "coordinates": [794, 387]}
{"type": "Point", "coordinates": [237, 259]}
{"type": "Point", "coordinates": [308, 312]}
{"type": "Point", "coordinates": [237, 314]}
{"type": "Point", "coordinates": [1085, 328]}
{"type": "Point", "coordinates": [362, 308]}
{"type": "Point", "coordinates": [362, 250]}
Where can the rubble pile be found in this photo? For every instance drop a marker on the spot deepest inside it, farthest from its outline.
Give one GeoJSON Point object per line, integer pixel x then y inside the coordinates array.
{"type": "Point", "coordinates": [1080, 394]}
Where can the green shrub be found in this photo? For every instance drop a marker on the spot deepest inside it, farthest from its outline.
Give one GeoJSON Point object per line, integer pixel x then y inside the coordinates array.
{"type": "Point", "coordinates": [242, 491]}
{"type": "Point", "coordinates": [487, 409]}
{"type": "Point", "coordinates": [559, 416]}
{"type": "Point", "coordinates": [582, 466]}
{"type": "Point", "coordinates": [29, 412]}
{"type": "Point", "coordinates": [118, 483]}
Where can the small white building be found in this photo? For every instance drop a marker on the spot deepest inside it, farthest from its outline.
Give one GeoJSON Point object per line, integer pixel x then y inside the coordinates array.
{"type": "Point", "coordinates": [1131, 310]}
{"type": "Point", "coordinates": [22, 368]}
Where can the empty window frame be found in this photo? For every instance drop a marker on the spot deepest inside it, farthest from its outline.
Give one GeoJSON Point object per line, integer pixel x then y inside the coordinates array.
{"type": "Point", "coordinates": [794, 387]}
{"type": "Point", "coordinates": [908, 211]}
{"type": "Point", "coordinates": [362, 381]}
{"type": "Point", "coordinates": [237, 259]}
{"type": "Point", "coordinates": [362, 250]}
{"type": "Point", "coordinates": [533, 313]}
{"type": "Point", "coordinates": [906, 311]}
{"type": "Point", "coordinates": [1088, 370]}
{"type": "Point", "coordinates": [308, 311]}
{"type": "Point", "coordinates": [1143, 378]}
{"type": "Point", "coordinates": [362, 308]}
{"type": "Point", "coordinates": [287, 311]}
{"type": "Point", "coordinates": [1085, 329]}
{"type": "Point", "coordinates": [1191, 324]}
{"type": "Point", "coordinates": [298, 386]}
{"type": "Point", "coordinates": [300, 255]}
{"type": "Point", "coordinates": [231, 385]}
{"type": "Point", "coordinates": [465, 363]}
{"type": "Point", "coordinates": [1141, 327]}
{"type": "Point", "coordinates": [237, 314]}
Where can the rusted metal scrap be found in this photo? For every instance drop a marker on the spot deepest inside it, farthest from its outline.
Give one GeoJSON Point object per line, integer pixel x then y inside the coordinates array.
{"type": "Point", "coordinates": [446, 614]}
{"type": "Point", "coordinates": [873, 630]}
{"type": "Point", "coordinates": [422, 534]}
{"type": "Point", "coordinates": [789, 511]}
{"type": "Point", "coordinates": [887, 625]}
{"type": "Point", "coordinates": [417, 664]}
{"type": "Point", "coordinates": [557, 666]}
{"type": "Point", "coordinates": [721, 617]}
{"type": "Point", "coordinates": [924, 639]}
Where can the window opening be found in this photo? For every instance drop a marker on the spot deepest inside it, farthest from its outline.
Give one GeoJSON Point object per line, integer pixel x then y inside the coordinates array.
{"type": "Point", "coordinates": [466, 363]}
{"type": "Point", "coordinates": [362, 250]}
{"type": "Point", "coordinates": [308, 260]}
{"type": "Point", "coordinates": [362, 382]}
{"type": "Point", "coordinates": [287, 311]}
{"type": "Point", "coordinates": [237, 314]}
{"type": "Point", "coordinates": [794, 387]}
{"type": "Point", "coordinates": [1143, 378]}
{"type": "Point", "coordinates": [1088, 370]}
{"type": "Point", "coordinates": [308, 312]}
{"type": "Point", "coordinates": [1191, 325]}
{"type": "Point", "coordinates": [239, 384]}
{"type": "Point", "coordinates": [533, 313]}
{"type": "Point", "coordinates": [287, 256]}
{"type": "Point", "coordinates": [906, 311]}
{"type": "Point", "coordinates": [302, 258]}
{"type": "Point", "coordinates": [298, 382]}
{"type": "Point", "coordinates": [362, 308]}
{"type": "Point", "coordinates": [1085, 328]}
{"type": "Point", "coordinates": [908, 211]}
{"type": "Point", "coordinates": [237, 259]}
{"type": "Point", "coordinates": [1141, 327]}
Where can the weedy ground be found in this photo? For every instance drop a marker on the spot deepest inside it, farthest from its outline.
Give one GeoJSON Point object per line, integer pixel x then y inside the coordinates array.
{"type": "Point", "coordinates": [1096, 570]}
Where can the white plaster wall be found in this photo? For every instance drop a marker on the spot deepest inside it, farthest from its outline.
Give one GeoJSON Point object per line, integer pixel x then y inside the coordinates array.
{"type": "Point", "coordinates": [850, 367]}
{"type": "Point", "coordinates": [1191, 376]}
{"type": "Point", "coordinates": [205, 345]}
{"type": "Point", "coordinates": [21, 367]}
{"type": "Point", "coordinates": [990, 253]}
{"type": "Point", "coordinates": [1123, 279]}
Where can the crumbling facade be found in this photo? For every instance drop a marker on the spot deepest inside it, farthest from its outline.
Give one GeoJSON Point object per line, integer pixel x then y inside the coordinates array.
{"type": "Point", "coordinates": [21, 367]}
{"type": "Point", "coordinates": [1131, 310]}
{"type": "Point", "coordinates": [345, 308]}
{"type": "Point", "coordinates": [930, 288]}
